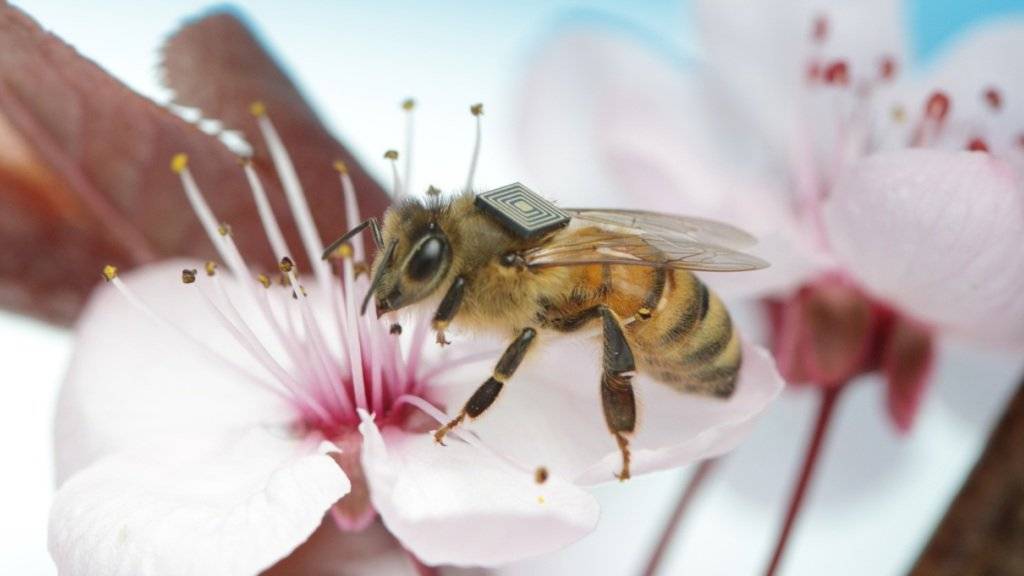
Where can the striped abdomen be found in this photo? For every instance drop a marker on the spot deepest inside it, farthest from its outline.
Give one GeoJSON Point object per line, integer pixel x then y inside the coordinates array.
{"type": "Point", "coordinates": [689, 341]}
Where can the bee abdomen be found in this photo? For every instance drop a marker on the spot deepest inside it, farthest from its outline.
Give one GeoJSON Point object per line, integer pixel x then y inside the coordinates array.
{"type": "Point", "coordinates": [690, 342]}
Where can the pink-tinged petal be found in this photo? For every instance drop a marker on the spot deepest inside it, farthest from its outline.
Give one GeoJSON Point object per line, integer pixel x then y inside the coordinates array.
{"type": "Point", "coordinates": [332, 552]}
{"type": "Point", "coordinates": [458, 504]}
{"type": "Point", "coordinates": [763, 51]}
{"type": "Point", "coordinates": [605, 122]}
{"type": "Point", "coordinates": [217, 65]}
{"type": "Point", "coordinates": [85, 178]}
{"type": "Point", "coordinates": [549, 414]}
{"type": "Point", "coordinates": [230, 506]}
{"type": "Point", "coordinates": [938, 235]}
{"type": "Point", "coordinates": [132, 382]}
{"type": "Point", "coordinates": [907, 362]}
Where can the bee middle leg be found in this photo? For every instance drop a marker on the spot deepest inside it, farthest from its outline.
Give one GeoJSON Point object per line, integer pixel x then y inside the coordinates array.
{"type": "Point", "coordinates": [486, 394]}
{"type": "Point", "coordinates": [617, 396]}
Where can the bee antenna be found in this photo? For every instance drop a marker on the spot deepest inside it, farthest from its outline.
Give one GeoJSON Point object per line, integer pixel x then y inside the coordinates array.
{"type": "Point", "coordinates": [378, 275]}
{"type": "Point", "coordinates": [374, 228]}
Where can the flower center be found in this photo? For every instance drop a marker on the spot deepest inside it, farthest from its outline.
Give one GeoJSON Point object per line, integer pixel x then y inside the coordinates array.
{"type": "Point", "coordinates": [314, 349]}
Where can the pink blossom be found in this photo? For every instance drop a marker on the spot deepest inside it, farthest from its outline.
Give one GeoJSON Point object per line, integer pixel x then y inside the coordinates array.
{"type": "Point", "coordinates": [888, 200]}
{"type": "Point", "coordinates": [208, 426]}
{"type": "Point", "coordinates": [888, 197]}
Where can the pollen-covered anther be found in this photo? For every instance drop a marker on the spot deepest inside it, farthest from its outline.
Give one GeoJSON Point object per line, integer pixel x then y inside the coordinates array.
{"type": "Point", "coordinates": [977, 144]}
{"type": "Point", "coordinates": [937, 106]}
{"type": "Point", "coordinates": [224, 229]}
{"type": "Point", "coordinates": [264, 280]}
{"type": "Point", "coordinates": [188, 276]}
{"type": "Point", "coordinates": [258, 109]}
{"type": "Point", "coordinates": [540, 475]}
{"type": "Point", "coordinates": [109, 272]}
{"type": "Point", "coordinates": [395, 330]}
{"type": "Point", "coordinates": [819, 29]}
{"type": "Point", "coordinates": [994, 98]}
{"type": "Point", "coordinates": [179, 162]}
{"type": "Point", "coordinates": [837, 73]}
{"type": "Point", "coordinates": [211, 267]}
{"type": "Point", "coordinates": [343, 251]}
{"type": "Point", "coordinates": [286, 265]}
{"type": "Point", "coordinates": [887, 68]}
{"type": "Point", "coordinates": [340, 167]}
{"type": "Point", "coordinates": [408, 104]}
{"type": "Point", "coordinates": [476, 109]}
{"type": "Point", "coordinates": [391, 155]}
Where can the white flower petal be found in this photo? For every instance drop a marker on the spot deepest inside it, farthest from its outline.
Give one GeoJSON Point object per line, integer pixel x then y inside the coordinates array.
{"type": "Point", "coordinates": [549, 414]}
{"type": "Point", "coordinates": [133, 382]}
{"type": "Point", "coordinates": [939, 235]}
{"type": "Point", "coordinates": [234, 507]}
{"type": "Point", "coordinates": [459, 505]}
{"type": "Point", "coordinates": [762, 50]}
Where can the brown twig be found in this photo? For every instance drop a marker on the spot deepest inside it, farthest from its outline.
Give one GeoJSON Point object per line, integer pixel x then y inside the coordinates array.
{"type": "Point", "coordinates": [983, 529]}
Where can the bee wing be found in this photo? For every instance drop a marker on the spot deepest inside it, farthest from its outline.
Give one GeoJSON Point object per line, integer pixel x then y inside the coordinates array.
{"type": "Point", "coordinates": [598, 245]}
{"type": "Point", "coordinates": [687, 228]}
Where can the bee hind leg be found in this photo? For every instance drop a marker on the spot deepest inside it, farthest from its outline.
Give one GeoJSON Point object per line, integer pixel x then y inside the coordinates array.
{"type": "Point", "coordinates": [488, 392]}
{"type": "Point", "coordinates": [617, 396]}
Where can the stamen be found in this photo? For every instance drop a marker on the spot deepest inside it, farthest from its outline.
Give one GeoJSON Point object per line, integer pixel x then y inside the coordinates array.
{"type": "Point", "coordinates": [994, 99]}
{"type": "Point", "coordinates": [109, 272]}
{"type": "Point", "coordinates": [352, 216]}
{"type": "Point", "coordinates": [477, 110]}
{"type": "Point", "coordinates": [409, 105]}
{"type": "Point", "coordinates": [267, 218]}
{"type": "Point", "coordinates": [211, 267]}
{"type": "Point", "coordinates": [937, 106]}
{"type": "Point", "coordinates": [976, 144]}
{"type": "Point", "coordinates": [837, 73]}
{"type": "Point", "coordinates": [188, 276]}
{"type": "Point", "coordinates": [887, 68]}
{"type": "Point", "coordinates": [396, 182]}
{"type": "Point", "coordinates": [296, 198]}
{"type": "Point", "coordinates": [819, 29]}
{"type": "Point", "coordinates": [540, 475]}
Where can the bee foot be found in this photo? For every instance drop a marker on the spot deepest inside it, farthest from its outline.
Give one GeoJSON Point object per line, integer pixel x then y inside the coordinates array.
{"type": "Point", "coordinates": [441, 339]}
{"type": "Point", "coordinates": [444, 430]}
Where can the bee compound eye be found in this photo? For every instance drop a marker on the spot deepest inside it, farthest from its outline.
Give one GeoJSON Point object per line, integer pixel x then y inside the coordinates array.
{"type": "Point", "coordinates": [426, 259]}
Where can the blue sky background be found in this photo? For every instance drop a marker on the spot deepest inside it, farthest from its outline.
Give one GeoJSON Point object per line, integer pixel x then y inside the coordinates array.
{"type": "Point", "coordinates": [357, 61]}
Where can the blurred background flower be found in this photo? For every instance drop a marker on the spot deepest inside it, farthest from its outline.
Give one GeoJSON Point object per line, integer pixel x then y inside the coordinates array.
{"type": "Point", "coordinates": [357, 63]}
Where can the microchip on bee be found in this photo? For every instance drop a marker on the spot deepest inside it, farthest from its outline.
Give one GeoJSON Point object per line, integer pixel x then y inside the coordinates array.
{"type": "Point", "coordinates": [522, 211]}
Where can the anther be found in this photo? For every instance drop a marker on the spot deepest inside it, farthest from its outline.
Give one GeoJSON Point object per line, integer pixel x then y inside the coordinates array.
{"type": "Point", "coordinates": [898, 113]}
{"type": "Point", "coordinates": [540, 475]}
{"type": "Point", "coordinates": [887, 68]}
{"type": "Point", "coordinates": [408, 104]}
{"type": "Point", "coordinates": [433, 192]}
{"type": "Point", "coordinates": [211, 267]}
{"type": "Point", "coordinates": [286, 265]}
{"type": "Point", "coordinates": [993, 98]}
{"type": "Point", "coordinates": [264, 279]}
{"type": "Point", "coordinates": [188, 276]}
{"type": "Point", "coordinates": [258, 109]}
{"type": "Point", "coordinates": [476, 109]}
{"type": "Point", "coordinates": [937, 106]}
{"type": "Point", "coordinates": [819, 29]}
{"type": "Point", "coordinates": [837, 73]}
{"type": "Point", "coordinates": [224, 229]}
{"type": "Point", "coordinates": [109, 272]}
{"type": "Point", "coordinates": [396, 329]}
{"type": "Point", "coordinates": [977, 145]}
{"type": "Point", "coordinates": [179, 162]}
{"type": "Point", "coordinates": [340, 167]}
{"type": "Point", "coordinates": [391, 155]}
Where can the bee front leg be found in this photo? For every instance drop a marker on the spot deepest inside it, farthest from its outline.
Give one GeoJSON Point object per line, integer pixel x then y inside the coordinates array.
{"type": "Point", "coordinates": [486, 394]}
{"type": "Point", "coordinates": [448, 308]}
{"type": "Point", "coordinates": [617, 396]}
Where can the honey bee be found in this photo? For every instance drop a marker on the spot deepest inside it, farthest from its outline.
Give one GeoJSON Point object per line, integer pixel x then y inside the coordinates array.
{"type": "Point", "coordinates": [511, 261]}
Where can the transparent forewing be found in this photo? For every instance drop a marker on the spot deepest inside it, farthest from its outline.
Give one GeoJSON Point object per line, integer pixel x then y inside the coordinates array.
{"type": "Point", "coordinates": [689, 228]}
{"type": "Point", "coordinates": [583, 246]}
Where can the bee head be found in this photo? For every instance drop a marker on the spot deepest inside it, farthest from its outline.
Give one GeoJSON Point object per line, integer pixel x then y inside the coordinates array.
{"type": "Point", "coordinates": [410, 267]}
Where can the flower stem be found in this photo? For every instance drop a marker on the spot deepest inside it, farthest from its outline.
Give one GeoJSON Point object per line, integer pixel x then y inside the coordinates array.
{"type": "Point", "coordinates": [689, 492]}
{"type": "Point", "coordinates": [825, 412]}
